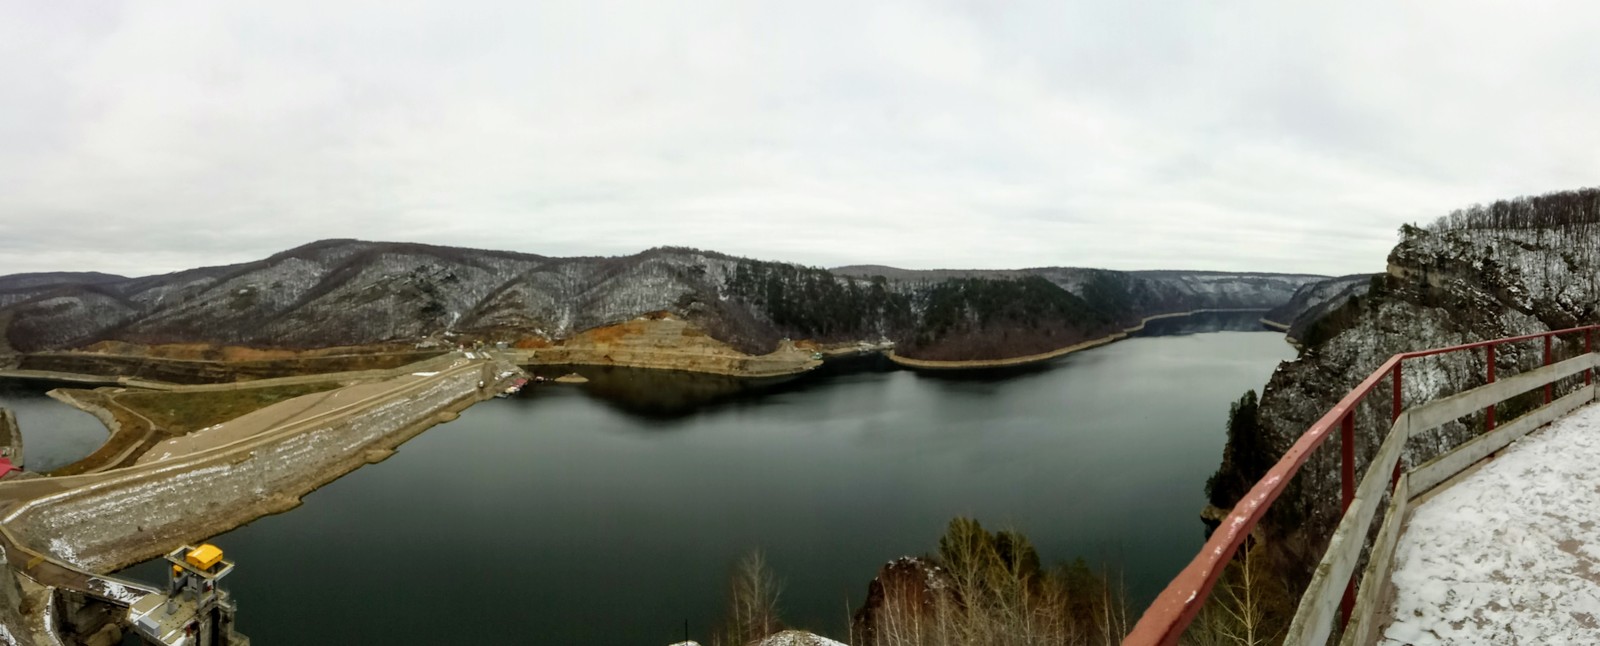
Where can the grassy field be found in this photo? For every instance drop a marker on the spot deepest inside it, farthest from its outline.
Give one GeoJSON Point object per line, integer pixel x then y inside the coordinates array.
{"type": "Point", "coordinates": [178, 413]}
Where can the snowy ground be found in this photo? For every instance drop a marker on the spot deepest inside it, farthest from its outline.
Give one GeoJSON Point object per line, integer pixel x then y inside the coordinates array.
{"type": "Point", "coordinates": [1511, 553]}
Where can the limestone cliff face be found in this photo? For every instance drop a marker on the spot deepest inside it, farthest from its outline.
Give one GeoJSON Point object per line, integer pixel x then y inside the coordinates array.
{"type": "Point", "coordinates": [1447, 284]}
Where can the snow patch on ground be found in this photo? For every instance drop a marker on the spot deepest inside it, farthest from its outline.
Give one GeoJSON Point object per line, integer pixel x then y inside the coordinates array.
{"type": "Point", "coordinates": [116, 591]}
{"type": "Point", "coordinates": [797, 638]}
{"type": "Point", "coordinates": [61, 549]}
{"type": "Point", "coordinates": [1511, 554]}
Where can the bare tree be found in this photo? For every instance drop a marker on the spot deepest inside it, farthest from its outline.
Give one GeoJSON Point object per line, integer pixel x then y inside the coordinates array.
{"type": "Point", "coordinates": [753, 592]}
{"type": "Point", "coordinates": [1247, 607]}
{"type": "Point", "coordinates": [999, 595]}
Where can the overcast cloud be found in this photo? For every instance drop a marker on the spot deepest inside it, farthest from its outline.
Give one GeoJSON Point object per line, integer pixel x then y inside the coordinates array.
{"type": "Point", "coordinates": [148, 137]}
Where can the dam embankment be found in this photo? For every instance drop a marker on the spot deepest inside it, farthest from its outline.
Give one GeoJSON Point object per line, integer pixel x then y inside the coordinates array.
{"type": "Point", "coordinates": [102, 368]}
{"type": "Point", "coordinates": [102, 522]}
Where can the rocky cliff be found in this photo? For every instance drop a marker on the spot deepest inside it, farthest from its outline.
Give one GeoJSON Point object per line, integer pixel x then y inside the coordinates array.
{"type": "Point", "coordinates": [353, 293]}
{"type": "Point", "coordinates": [1313, 301]}
{"type": "Point", "coordinates": [1510, 268]}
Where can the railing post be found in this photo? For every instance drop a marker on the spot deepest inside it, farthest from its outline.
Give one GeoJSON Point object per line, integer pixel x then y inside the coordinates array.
{"type": "Point", "coordinates": [1396, 409]}
{"type": "Point", "coordinates": [1394, 479]}
{"type": "Point", "coordinates": [1347, 460]}
{"type": "Point", "coordinates": [1347, 489]}
{"type": "Point", "coordinates": [1164, 622]}
{"type": "Point", "coordinates": [1550, 387]}
{"type": "Point", "coordinates": [1489, 426]}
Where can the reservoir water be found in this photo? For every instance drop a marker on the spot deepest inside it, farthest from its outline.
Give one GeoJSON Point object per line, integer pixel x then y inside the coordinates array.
{"type": "Point", "coordinates": [611, 513]}
{"type": "Point", "coordinates": [53, 434]}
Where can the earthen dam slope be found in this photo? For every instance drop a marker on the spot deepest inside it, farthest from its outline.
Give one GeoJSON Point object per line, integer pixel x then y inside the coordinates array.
{"type": "Point", "coordinates": [98, 523]}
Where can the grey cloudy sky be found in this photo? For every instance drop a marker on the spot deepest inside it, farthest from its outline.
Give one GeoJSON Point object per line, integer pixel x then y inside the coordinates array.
{"type": "Point", "coordinates": [148, 137]}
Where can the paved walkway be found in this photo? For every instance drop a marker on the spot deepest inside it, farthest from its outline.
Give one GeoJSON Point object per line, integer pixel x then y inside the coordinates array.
{"type": "Point", "coordinates": [1511, 553]}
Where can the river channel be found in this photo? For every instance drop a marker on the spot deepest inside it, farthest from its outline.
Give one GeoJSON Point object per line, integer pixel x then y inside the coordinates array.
{"type": "Point", "coordinates": [610, 513]}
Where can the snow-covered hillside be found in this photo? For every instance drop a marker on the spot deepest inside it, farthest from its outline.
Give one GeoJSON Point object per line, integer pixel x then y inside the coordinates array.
{"type": "Point", "coordinates": [1313, 300]}
{"type": "Point", "coordinates": [351, 292]}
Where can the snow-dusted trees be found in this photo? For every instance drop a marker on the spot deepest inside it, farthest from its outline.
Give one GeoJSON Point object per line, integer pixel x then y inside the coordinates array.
{"type": "Point", "coordinates": [989, 589]}
{"type": "Point", "coordinates": [809, 302]}
{"type": "Point", "coordinates": [1561, 209]}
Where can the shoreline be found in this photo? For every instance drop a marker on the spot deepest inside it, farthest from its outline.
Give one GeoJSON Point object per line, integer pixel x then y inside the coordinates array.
{"type": "Point", "coordinates": [779, 363]}
{"type": "Point", "coordinates": [980, 364]}
{"type": "Point", "coordinates": [1286, 336]}
{"type": "Point", "coordinates": [669, 362]}
{"type": "Point", "coordinates": [664, 342]}
{"type": "Point", "coordinates": [287, 459]}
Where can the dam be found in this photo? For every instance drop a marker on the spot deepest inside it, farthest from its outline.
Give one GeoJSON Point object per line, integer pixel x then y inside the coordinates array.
{"type": "Point", "coordinates": [67, 533]}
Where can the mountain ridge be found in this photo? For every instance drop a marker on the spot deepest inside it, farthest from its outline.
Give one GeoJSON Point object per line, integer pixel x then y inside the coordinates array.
{"type": "Point", "coordinates": [342, 292]}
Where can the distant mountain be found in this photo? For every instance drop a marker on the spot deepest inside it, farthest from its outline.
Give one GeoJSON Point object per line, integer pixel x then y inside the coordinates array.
{"type": "Point", "coordinates": [353, 292]}
{"type": "Point", "coordinates": [1314, 300]}
{"type": "Point", "coordinates": [24, 282]}
{"type": "Point", "coordinates": [896, 273]}
{"type": "Point", "coordinates": [1131, 293]}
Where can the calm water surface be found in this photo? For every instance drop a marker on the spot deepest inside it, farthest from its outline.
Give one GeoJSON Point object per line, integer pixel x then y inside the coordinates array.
{"type": "Point", "coordinates": [53, 434]}
{"type": "Point", "coordinates": [610, 514]}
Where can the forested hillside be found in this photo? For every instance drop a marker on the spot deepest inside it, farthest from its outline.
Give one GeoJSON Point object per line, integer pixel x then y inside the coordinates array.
{"type": "Point", "coordinates": [352, 292]}
{"type": "Point", "coordinates": [1304, 315]}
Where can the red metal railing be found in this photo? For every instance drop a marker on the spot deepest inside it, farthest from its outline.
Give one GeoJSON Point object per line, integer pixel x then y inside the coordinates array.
{"type": "Point", "coordinates": [1164, 622]}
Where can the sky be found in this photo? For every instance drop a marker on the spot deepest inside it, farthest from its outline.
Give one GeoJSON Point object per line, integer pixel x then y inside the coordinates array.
{"type": "Point", "coordinates": [141, 138]}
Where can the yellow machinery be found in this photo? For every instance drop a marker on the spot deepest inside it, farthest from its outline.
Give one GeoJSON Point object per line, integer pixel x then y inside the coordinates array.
{"type": "Point", "coordinates": [194, 611]}
{"type": "Point", "coordinates": [204, 557]}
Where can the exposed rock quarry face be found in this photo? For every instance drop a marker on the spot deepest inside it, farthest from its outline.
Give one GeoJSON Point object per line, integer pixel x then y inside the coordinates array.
{"type": "Point", "coordinates": [356, 293]}
{"type": "Point", "coordinates": [902, 601]}
{"type": "Point", "coordinates": [1443, 287]}
{"type": "Point", "coordinates": [662, 341]}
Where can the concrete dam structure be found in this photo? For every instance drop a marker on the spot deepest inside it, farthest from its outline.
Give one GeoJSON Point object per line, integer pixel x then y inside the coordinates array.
{"type": "Point", "coordinates": [67, 533]}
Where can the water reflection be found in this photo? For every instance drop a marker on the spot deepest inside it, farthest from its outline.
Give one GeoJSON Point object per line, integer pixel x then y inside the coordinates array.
{"type": "Point", "coordinates": [654, 394]}
{"type": "Point", "coordinates": [668, 395]}
{"type": "Point", "coordinates": [609, 512]}
{"type": "Point", "coordinates": [1204, 322]}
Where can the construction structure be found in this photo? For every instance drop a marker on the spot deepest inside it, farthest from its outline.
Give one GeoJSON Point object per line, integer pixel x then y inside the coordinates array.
{"type": "Point", "coordinates": [66, 534]}
{"type": "Point", "coordinates": [195, 611]}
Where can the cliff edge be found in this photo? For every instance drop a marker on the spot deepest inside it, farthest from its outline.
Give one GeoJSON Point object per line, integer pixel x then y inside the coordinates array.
{"type": "Point", "coordinates": [1510, 268]}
